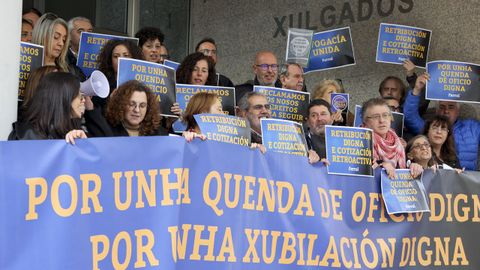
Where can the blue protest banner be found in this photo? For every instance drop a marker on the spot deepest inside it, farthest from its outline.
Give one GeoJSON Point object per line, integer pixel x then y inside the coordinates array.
{"type": "Point", "coordinates": [283, 136]}
{"type": "Point", "coordinates": [162, 203]}
{"type": "Point", "coordinates": [171, 64]}
{"type": "Point", "coordinates": [159, 78]}
{"type": "Point", "coordinates": [453, 81]}
{"type": "Point", "coordinates": [331, 49]}
{"type": "Point", "coordinates": [224, 128]}
{"type": "Point", "coordinates": [89, 48]}
{"type": "Point", "coordinates": [284, 103]}
{"type": "Point", "coordinates": [349, 150]}
{"type": "Point", "coordinates": [397, 43]}
{"type": "Point", "coordinates": [227, 95]}
{"type": "Point", "coordinates": [403, 194]}
{"type": "Point", "coordinates": [31, 58]}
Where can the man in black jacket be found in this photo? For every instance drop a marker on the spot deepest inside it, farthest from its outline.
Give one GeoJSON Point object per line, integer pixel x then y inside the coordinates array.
{"type": "Point", "coordinates": [265, 68]}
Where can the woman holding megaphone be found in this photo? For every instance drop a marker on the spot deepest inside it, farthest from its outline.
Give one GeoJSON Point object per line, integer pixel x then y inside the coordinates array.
{"type": "Point", "coordinates": [54, 111]}
{"type": "Point", "coordinates": [132, 110]}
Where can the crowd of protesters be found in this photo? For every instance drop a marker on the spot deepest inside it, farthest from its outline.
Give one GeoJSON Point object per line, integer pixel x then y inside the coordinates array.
{"type": "Point", "coordinates": [54, 108]}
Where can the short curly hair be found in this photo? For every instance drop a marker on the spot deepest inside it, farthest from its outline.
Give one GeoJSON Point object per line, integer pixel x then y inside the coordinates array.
{"type": "Point", "coordinates": [105, 57]}
{"type": "Point", "coordinates": [118, 105]}
{"type": "Point", "coordinates": [185, 70]}
{"type": "Point", "coordinates": [149, 33]}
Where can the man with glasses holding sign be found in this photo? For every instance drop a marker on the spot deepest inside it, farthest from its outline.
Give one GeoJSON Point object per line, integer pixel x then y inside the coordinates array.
{"type": "Point", "coordinates": [266, 74]}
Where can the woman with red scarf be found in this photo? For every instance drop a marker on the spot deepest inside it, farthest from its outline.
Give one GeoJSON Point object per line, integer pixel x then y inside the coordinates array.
{"type": "Point", "coordinates": [388, 150]}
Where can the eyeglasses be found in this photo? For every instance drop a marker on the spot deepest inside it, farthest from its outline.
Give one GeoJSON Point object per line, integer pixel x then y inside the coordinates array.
{"type": "Point", "coordinates": [382, 116]}
{"type": "Point", "coordinates": [208, 52]}
{"type": "Point", "coordinates": [439, 128]}
{"type": "Point", "coordinates": [425, 145]}
{"type": "Point", "coordinates": [265, 67]}
{"type": "Point", "coordinates": [258, 107]}
{"type": "Point", "coordinates": [134, 105]}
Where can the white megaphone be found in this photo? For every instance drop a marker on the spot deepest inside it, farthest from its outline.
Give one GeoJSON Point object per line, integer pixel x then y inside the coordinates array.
{"type": "Point", "coordinates": [96, 85]}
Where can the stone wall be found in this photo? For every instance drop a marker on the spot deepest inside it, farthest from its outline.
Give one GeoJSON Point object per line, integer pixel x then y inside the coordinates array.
{"type": "Point", "coordinates": [242, 28]}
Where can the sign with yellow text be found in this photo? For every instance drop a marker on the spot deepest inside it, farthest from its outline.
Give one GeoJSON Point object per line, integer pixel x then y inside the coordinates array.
{"type": "Point", "coordinates": [159, 78]}
{"type": "Point", "coordinates": [162, 203]}
{"type": "Point", "coordinates": [453, 81]}
{"type": "Point", "coordinates": [91, 44]}
{"type": "Point", "coordinates": [397, 43]}
{"type": "Point", "coordinates": [31, 58]}
{"type": "Point", "coordinates": [349, 150]}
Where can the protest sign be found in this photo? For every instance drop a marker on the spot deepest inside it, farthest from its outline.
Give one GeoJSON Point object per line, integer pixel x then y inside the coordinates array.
{"type": "Point", "coordinates": [184, 92]}
{"type": "Point", "coordinates": [453, 81]}
{"type": "Point", "coordinates": [397, 43]}
{"type": "Point", "coordinates": [331, 49]}
{"type": "Point", "coordinates": [283, 136]}
{"type": "Point", "coordinates": [284, 103]}
{"type": "Point", "coordinates": [403, 194]}
{"type": "Point", "coordinates": [159, 78]}
{"type": "Point", "coordinates": [299, 42]}
{"type": "Point", "coordinates": [224, 128]}
{"type": "Point", "coordinates": [339, 102]}
{"type": "Point", "coordinates": [31, 58]}
{"type": "Point", "coordinates": [89, 49]}
{"type": "Point", "coordinates": [349, 150]}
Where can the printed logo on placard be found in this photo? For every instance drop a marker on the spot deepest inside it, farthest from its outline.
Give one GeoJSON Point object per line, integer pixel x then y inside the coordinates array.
{"type": "Point", "coordinates": [299, 46]}
{"type": "Point", "coordinates": [339, 103]}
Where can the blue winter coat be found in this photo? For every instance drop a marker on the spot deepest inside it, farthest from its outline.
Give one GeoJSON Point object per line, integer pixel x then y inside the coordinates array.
{"type": "Point", "coordinates": [466, 132]}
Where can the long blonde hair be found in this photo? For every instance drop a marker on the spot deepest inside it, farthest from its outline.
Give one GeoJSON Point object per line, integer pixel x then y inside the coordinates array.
{"type": "Point", "coordinates": [320, 89]}
{"type": "Point", "coordinates": [43, 33]}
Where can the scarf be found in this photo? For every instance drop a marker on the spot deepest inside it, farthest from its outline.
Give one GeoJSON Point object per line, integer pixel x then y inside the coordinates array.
{"type": "Point", "coordinates": [389, 149]}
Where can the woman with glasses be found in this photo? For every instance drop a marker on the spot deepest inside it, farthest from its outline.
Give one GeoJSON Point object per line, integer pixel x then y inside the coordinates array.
{"type": "Point", "coordinates": [388, 150]}
{"type": "Point", "coordinates": [132, 110]}
{"type": "Point", "coordinates": [440, 136]}
{"type": "Point", "coordinates": [54, 112]}
{"type": "Point", "coordinates": [197, 69]}
{"type": "Point", "coordinates": [419, 151]}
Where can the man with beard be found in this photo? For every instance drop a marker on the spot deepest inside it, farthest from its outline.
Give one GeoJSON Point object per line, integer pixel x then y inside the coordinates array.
{"type": "Point", "coordinates": [254, 106]}
{"type": "Point", "coordinates": [291, 77]}
{"type": "Point", "coordinates": [319, 115]}
{"type": "Point", "coordinates": [265, 68]}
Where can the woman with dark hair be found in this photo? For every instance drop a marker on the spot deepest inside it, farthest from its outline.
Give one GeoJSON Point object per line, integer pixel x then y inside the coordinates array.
{"type": "Point", "coordinates": [419, 151]}
{"type": "Point", "coordinates": [199, 103]}
{"type": "Point", "coordinates": [31, 86]}
{"type": "Point", "coordinates": [197, 69]}
{"type": "Point", "coordinates": [108, 63]}
{"type": "Point", "coordinates": [440, 136]}
{"type": "Point", "coordinates": [54, 111]}
{"type": "Point", "coordinates": [388, 150]}
{"type": "Point", "coordinates": [132, 110]}
{"type": "Point", "coordinates": [150, 40]}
